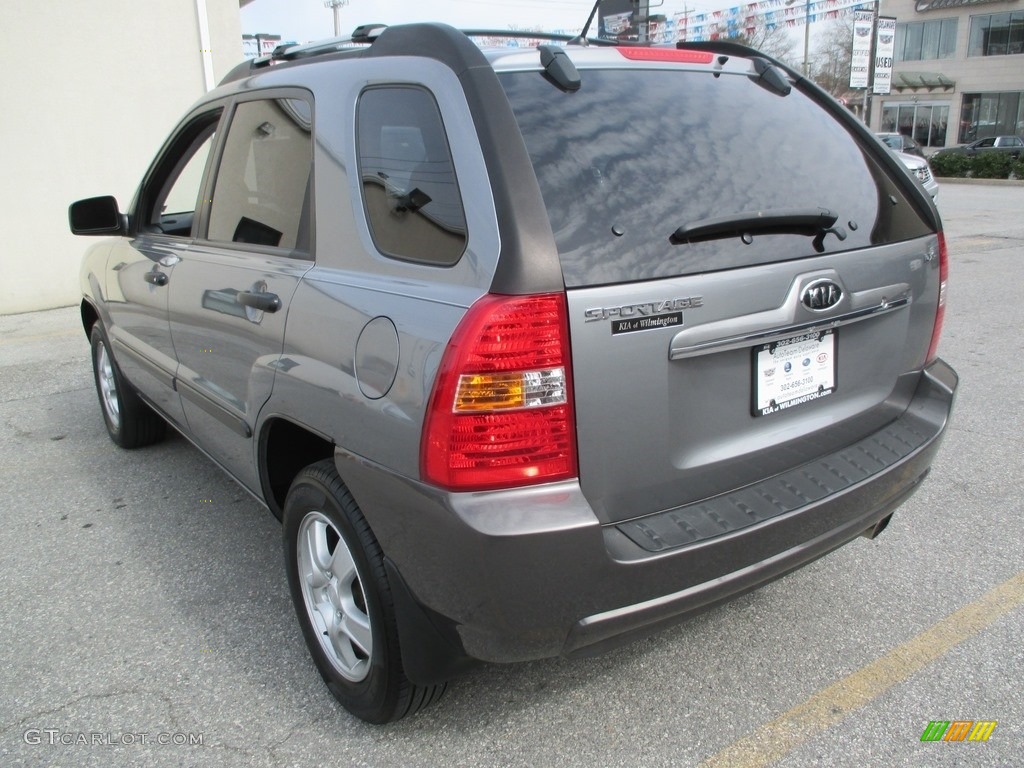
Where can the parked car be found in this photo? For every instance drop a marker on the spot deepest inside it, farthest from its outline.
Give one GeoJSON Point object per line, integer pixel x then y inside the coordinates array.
{"type": "Point", "coordinates": [533, 351]}
{"type": "Point", "coordinates": [901, 143]}
{"type": "Point", "coordinates": [922, 171]}
{"type": "Point", "coordinates": [1010, 145]}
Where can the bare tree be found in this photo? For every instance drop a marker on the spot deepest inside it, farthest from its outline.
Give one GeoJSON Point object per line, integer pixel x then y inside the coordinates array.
{"type": "Point", "coordinates": [773, 41]}
{"type": "Point", "coordinates": [833, 56]}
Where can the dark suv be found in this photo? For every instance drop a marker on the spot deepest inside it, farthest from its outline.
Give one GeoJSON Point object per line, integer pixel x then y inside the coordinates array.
{"type": "Point", "coordinates": [532, 350]}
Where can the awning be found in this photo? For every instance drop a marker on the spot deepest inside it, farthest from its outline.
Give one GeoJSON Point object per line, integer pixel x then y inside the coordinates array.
{"type": "Point", "coordinates": [915, 81]}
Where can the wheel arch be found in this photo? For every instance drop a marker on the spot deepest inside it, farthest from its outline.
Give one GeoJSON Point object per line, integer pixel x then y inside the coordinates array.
{"type": "Point", "coordinates": [285, 448]}
{"type": "Point", "coordinates": [90, 315]}
{"type": "Point", "coordinates": [431, 650]}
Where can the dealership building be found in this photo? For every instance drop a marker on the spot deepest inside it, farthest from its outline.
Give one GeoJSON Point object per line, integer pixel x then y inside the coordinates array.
{"type": "Point", "coordinates": [958, 72]}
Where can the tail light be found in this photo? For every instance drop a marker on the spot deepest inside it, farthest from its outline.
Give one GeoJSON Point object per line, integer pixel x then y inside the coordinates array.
{"type": "Point", "coordinates": [666, 54]}
{"type": "Point", "coordinates": [940, 312]}
{"type": "Point", "coordinates": [500, 414]}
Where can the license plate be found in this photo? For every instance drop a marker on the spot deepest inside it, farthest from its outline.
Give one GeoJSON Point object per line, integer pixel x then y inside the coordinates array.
{"type": "Point", "coordinates": [793, 371]}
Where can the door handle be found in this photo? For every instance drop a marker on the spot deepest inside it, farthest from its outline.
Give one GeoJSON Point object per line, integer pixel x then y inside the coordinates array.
{"type": "Point", "coordinates": [155, 278]}
{"type": "Point", "coordinates": [267, 302]}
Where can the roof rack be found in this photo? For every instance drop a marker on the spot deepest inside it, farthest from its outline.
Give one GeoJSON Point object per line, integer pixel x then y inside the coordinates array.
{"type": "Point", "coordinates": [365, 35]}
{"type": "Point", "coordinates": [361, 37]}
{"type": "Point", "coordinates": [522, 34]}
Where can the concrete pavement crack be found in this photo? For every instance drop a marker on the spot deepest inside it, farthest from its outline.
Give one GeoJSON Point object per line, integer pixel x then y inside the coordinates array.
{"type": "Point", "coordinates": [35, 716]}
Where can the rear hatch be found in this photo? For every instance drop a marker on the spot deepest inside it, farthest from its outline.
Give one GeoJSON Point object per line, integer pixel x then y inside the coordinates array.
{"type": "Point", "coordinates": [749, 287]}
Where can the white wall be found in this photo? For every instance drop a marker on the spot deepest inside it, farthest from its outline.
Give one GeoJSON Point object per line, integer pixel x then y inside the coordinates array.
{"type": "Point", "coordinates": [91, 90]}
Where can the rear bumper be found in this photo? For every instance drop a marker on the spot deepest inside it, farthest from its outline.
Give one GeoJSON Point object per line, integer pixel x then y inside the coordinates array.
{"type": "Point", "coordinates": [531, 573]}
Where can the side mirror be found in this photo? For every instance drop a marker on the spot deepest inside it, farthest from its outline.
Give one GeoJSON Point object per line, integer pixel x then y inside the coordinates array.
{"type": "Point", "coordinates": [96, 216]}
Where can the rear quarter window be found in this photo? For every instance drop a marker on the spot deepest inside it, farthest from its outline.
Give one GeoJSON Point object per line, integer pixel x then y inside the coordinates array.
{"type": "Point", "coordinates": [636, 153]}
{"type": "Point", "coordinates": [409, 189]}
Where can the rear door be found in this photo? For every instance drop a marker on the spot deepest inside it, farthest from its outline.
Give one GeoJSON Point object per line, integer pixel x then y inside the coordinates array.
{"type": "Point", "coordinates": [231, 290]}
{"type": "Point", "coordinates": [748, 288]}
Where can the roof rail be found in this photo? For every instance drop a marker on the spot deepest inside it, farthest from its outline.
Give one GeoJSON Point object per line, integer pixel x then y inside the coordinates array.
{"type": "Point", "coordinates": [361, 37]}
{"type": "Point", "coordinates": [522, 34]}
{"type": "Point", "coordinates": [365, 35]}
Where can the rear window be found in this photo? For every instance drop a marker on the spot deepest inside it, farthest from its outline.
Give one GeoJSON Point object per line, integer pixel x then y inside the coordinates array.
{"type": "Point", "coordinates": [634, 154]}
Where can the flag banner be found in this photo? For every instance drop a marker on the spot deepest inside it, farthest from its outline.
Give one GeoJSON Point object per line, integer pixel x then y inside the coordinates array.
{"type": "Point", "coordinates": [863, 34]}
{"type": "Point", "coordinates": [885, 44]}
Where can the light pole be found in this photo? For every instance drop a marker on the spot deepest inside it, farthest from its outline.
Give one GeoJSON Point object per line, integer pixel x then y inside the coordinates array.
{"type": "Point", "coordinates": [335, 5]}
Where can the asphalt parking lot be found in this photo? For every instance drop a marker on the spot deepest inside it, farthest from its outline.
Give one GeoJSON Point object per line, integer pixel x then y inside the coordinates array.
{"type": "Point", "coordinates": [146, 618]}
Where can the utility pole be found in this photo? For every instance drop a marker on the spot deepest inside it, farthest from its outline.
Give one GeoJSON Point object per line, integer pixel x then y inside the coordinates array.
{"type": "Point", "coordinates": [807, 33]}
{"type": "Point", "coordinates": [686, 24]}
{"type": "Point", "coordinates": [807, 38]}
{"type": "Point", "coordinates": [866, 112]}
{"type": "Point", "coordinates": [336, 5]}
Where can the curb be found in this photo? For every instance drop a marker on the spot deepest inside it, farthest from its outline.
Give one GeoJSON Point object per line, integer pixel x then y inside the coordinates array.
{"type": "Point", "coordinates": [980, 182]}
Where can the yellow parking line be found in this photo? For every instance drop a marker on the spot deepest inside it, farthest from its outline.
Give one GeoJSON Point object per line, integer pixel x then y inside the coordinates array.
{"type": "Point", "coordinates": [39, 336]}
{"type": "Point", "coordinates": [776, 739]}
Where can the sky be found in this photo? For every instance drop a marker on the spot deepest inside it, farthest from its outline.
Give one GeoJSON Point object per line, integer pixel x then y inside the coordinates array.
{"type": "Point", "coordinates": [304, 20]}
{"type": "Point", "coordinates": [309, 19]}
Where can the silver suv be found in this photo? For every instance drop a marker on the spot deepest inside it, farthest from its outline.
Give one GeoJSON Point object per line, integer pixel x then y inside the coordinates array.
{"type": "Point", "coordinates": [531, 350]}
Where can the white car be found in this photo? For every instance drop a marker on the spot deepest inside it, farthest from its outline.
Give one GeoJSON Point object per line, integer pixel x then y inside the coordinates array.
{"type": "Point", "coordinates": [920, 168]}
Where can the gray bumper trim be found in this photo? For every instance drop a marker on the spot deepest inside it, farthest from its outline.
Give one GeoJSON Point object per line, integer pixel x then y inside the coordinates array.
{"type": "Point", "coordinates": [777, 495]}
{"type": "Point", "coordinates": [855, 506]}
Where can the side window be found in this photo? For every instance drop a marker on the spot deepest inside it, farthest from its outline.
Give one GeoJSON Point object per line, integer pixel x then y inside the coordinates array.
{"type": "Point", "coordinates": [409, 188]}
{"type": "Point", "coordinates": [184, 192]}
{"type": "Point", "coordinates": [171, 197]}
{"type": "Point", "coordinates": [262, 192]}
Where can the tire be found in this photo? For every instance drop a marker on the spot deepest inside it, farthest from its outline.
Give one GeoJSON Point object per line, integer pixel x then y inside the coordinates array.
{"type": "Point", "coordinates": [130, 422]}
{"type": "Point", "coordinates": [343, 600]}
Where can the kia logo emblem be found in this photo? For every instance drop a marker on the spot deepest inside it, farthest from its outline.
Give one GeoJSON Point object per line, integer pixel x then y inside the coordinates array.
{"type": "Point", "coordinates": [821, 295]}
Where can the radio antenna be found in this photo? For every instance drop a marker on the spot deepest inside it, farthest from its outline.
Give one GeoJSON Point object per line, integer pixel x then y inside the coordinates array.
{"type": "Point", "coordinates": [582, 38]}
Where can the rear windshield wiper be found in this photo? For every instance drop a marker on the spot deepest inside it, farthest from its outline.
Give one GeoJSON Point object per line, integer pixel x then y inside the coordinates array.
{"type": "Point", "coordinates": [812, 222]}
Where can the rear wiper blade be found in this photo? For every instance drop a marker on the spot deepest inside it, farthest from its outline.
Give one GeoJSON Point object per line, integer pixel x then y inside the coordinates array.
{"type": "Point", "coordinates": [812, 222]}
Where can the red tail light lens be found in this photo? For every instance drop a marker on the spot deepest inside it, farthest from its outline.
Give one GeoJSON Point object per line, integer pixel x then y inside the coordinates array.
{"type": "Point", "coordinates": [940, 313]}
{"type": "Point", "coordinates": [500, 414]}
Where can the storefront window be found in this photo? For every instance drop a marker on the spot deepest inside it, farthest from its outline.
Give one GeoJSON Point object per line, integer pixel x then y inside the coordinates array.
{"type": "Point", "coordinates": [925, 123]}
{"type": "Point", "coordinates": [996, 34]}
{"type": "Point", "coordinates": [925, 40]}
{"type": "Point", "coordinates": [991, 114]}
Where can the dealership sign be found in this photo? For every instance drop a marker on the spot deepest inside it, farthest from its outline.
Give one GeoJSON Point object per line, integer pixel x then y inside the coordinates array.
{"type": "Point", "coordinates": [863, 34]}
{"type": "Point", "coordinates": [935, 5]}
{"type": "Point", "coordinates": [886, 35]}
